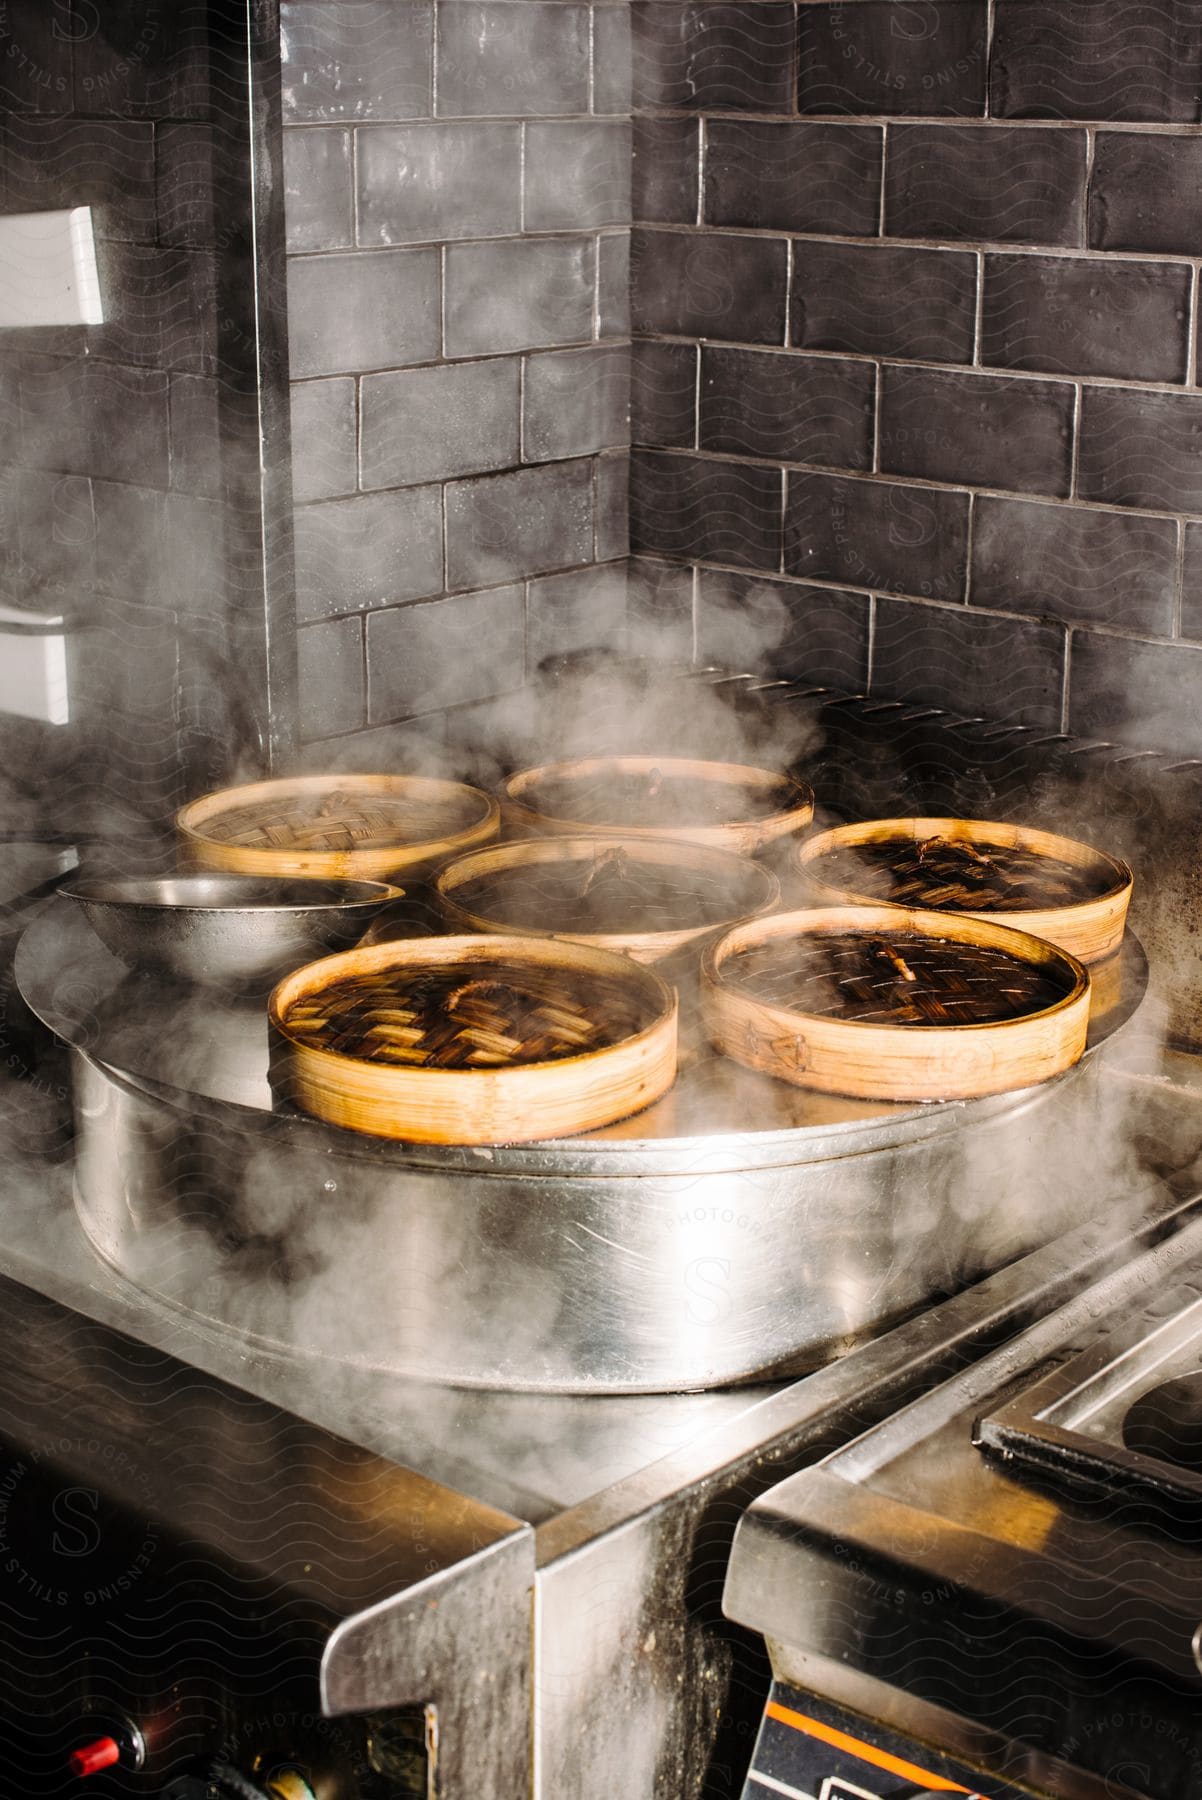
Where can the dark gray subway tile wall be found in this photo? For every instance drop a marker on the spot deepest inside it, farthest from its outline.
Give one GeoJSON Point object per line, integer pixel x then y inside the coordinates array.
{"type": "Point", "coordinates": [458, 201]}
{"type": "Point", "coordinates": [976, 416]}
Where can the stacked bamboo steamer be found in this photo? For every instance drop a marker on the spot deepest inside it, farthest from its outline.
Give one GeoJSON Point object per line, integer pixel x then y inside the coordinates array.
{"type": "Point", "coordinates": [1046, 946]}
{"type": "Point", "coordinates": [690, 826]}
{"type": "Point", "coordinates": [340, 826]}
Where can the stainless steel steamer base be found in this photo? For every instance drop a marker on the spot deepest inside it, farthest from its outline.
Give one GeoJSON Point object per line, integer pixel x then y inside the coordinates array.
{"type": "Point", "coordinates": [738, 1228]}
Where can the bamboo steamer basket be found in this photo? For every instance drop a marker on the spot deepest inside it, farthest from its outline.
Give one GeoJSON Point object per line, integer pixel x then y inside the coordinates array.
{"type": "Point", "coordinates": [1090, 930]}
{"type": "Point", "coordinates": [740, 834]}
{"type": "Point", "coordinates": [871, 1061]}
{"type": "Point", "coordinates": [472, 817]}
{"type": "Point", "coordinates": [754, 889]}
{"type": "Point", "coordinates": [512, 1105]}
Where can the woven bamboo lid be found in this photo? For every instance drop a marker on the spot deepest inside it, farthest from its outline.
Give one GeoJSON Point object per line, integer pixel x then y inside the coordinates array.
{"type": "Point", "coordinates": [847, 1000]}
{"type": "Point", "coordinates": [340, 826]}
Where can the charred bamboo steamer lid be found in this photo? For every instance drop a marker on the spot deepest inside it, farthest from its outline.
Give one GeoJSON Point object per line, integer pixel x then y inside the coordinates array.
{"type": "Point", "coordinates": [1091, 929]}
{"type": "Point", "coordinates": [746, 807]}
{"type": "Point", "coordinates": [361, 827]}
{"type": "Point", "coordinates": [520, 1103]}
{"type": "Point", "coordinates": [874, 1061]}
{"type": "Point", "coordinates": [741, 888]}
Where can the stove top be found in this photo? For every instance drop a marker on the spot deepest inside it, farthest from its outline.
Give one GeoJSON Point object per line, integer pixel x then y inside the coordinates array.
{"type": "Point", "coordinates": [1011, 1567]}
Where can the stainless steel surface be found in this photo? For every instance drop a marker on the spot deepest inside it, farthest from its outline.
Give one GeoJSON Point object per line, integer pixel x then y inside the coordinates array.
{"type": "Point", "coordinates": [1070, 1422]}
{"type": "Point", "coordinates": [1091, 1605]}
{"type": "Point", "coordinates": [633, 1689]}
{"type": "Point", "coordinates": [230, 1492]}
{"type": "Point", "coordinates": [739, 1254]}
{"type": "Point", "coordinates": [230, 930]}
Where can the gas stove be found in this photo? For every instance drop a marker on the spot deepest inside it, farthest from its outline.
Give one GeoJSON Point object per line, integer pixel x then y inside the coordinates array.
{"type": "Point", "coordinates": [999, 1590]}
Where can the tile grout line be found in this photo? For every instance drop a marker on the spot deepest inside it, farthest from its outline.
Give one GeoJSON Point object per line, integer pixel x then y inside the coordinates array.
{"type": "Point", "coordinates": [1065, 679]}
{"type": "Point", "coordinates": [880, 215]}
{"type": "Point", "coordinates": [702, 148]}
{"type": "Point", "coordinates": [789, 266]}
{"type": "Point", "coordinates": [522, 178]}
{"type": "Point", "coordinates": [1090, 153]}
{"type": "Point", "coordinates": [979, 314]}
{"type": "Point", "coordinates": [1191, 345]}
{"type": "Point", "coordinates": [434, 12]}
{"type": "Point", "coordinates": [968, 537]}
{"type": "Point", "coordinates": [1179, 580]}
{"type": "Point", "coordinates": [1093, 628]}
{"type": "Point", "coordinates": [355, 188]}
{"type": "Point", "coordinates": [878, 384]}
{"type": "Point", "coordinates": [1075, 456]}
{"type": "Point", "coordinates": [592, 60]}
{"type": "Point", "coordinates": [697, 354]}
{"type": "Point", "coordinates": [870, 648]}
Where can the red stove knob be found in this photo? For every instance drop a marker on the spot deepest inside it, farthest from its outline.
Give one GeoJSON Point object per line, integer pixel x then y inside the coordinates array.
{"type": "Point", "coordinates": [101, 1753]}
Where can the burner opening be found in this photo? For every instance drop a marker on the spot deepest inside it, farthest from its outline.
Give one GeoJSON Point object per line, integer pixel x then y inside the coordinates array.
{"type": "Point", "coordinates": [1166, 1422]}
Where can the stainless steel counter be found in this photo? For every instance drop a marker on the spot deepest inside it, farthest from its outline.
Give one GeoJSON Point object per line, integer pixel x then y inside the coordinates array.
{"type": "Point", "coordinates": [620, 1508]}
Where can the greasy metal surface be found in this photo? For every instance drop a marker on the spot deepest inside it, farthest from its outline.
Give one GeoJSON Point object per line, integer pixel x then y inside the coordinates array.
{"type": "Point", "coordinates": [225, 929]}
{"type": "Point", "coordinates": [732, 1258]}
{"type": "Point", "coordinates": [635, 1498]}
{"type": "Point", "coordinates": [1096, 1605]}
{"type": "Point", "coordinates": [231, 1494]}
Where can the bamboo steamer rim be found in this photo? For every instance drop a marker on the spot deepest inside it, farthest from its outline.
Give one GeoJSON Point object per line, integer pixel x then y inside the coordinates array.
{"type": "Point", "coordinates": [496, 858]}
{"type": "Point", "coordinates": [264, 859]}
{"type": "Point", "coordinates": [869, 921]}
{"type": "Point", "coordinates": [996, 832]}
{"type": "Point", "coordinates": [398, 952]}
{"type": "Point", "coordinates": [745, 775]}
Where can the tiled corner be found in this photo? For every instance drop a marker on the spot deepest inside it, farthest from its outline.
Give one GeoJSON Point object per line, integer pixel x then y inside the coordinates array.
{"type": "Point", "coordinates": [577, 173]}
{"type": "Point", "coordinates": [728, 287]}
{"type": "Point", "coordinates": [695, 507]}
{"type": "Point", "coordinates": [575, 402]}
{"type": "Point", "coordinates": [706, 54]}
{"type": "Point", "coordinates": [665, 168]}
{"type": "Point", "coordinates": [787, 629]}
{"type": "Point", "coordinates": [584, 610]}
{"type": "Point", "coordinates": [659, 610]}
{"type": "Point", "coordinates": [663, 394]}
